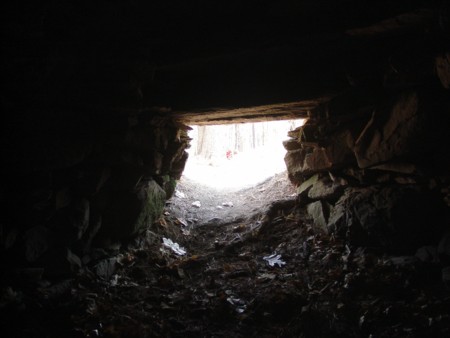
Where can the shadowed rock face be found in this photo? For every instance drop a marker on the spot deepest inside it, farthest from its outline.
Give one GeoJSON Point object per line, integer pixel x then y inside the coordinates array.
{"type": "Point", "coordinates": [199, 59]}
{"type": "Point", "coordinates": [97, 95]}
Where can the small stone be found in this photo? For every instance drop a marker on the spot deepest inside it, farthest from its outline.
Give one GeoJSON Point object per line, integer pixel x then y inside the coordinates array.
{"type": "Point", "coordinates": [105, 268]}
{"type": "Point", "coordinates": [179, 194]}
{"type": "Point", "coordinates": [319, 211]}
{"type": "Point", "coordinates": [175, 247]}
{"type": "Point", "coordinates": [214, 220]}
{"type": "Point", "coordinates": [227, 204]}
{"type": "Point", "coordinates": [196, 204]}
{"type": "Point", "coordinates": [182, 221]}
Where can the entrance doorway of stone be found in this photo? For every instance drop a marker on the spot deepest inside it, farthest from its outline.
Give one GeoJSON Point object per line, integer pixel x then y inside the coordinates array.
{"type": "Point", "coordinates": [236, 156]}
{"type": "Point", "coordinates": [233, 172]}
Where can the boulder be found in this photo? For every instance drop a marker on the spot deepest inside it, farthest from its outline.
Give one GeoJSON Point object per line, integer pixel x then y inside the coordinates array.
{"type": "Point", "coordinates": [319, 212]}
{"type": "Point", "coordinates": [168, 184]}
{"type": "Point", "coordinates": [339, 146]}
{"type": "Point", "coordinates": [303, 189]}
{"type": "Point", "coordinates": [311, 131]}
{"type": "Point", "coordinates": [331, 153]}
{"type": "Point", "coordinates": [306, 161]}
{"type": "Point", "coordinates": [326, 189]}
{"type": "Point", "coordinates": [291, 144]}
{"type": "Point", "coordinates": [340, 221]}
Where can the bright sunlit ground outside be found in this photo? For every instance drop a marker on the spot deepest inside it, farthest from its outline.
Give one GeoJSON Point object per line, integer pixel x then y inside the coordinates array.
{"type": "Point", "coordinates": [238, 155]}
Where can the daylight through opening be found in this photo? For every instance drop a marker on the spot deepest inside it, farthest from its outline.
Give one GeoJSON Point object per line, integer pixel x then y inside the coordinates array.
{"type": "Point", "coordinates": [235, 156]}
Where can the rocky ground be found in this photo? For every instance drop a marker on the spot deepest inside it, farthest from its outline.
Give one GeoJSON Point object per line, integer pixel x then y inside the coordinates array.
{"type": "Point", "coordinates": [195, 204]}
{"type": "Point", "coordinates": [253, 269]}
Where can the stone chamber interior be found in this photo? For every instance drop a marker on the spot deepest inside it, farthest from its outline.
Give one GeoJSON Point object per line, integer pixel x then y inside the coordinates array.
{"type": "Point", "coordinates": [96, 99]}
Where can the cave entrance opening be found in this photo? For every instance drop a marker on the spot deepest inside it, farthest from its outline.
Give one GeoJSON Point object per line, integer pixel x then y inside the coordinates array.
{"type": "Point", "coordinates": [236, 156]}
{"type": "Point", "coordinates": [233, 173]}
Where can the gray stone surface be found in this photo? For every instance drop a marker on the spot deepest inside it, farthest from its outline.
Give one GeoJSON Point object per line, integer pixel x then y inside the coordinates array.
{"type": "Point", "coordinates": [319, 212]}
{"type": "Point", "coordinates": [326, 189]}
{"type": "Point", "coordinates": [105, 268]}
{"type": "Point", "coordinates": [306, 185]}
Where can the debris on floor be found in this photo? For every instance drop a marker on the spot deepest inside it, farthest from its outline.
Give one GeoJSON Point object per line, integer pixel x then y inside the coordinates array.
{"type": "Point", "coordinates": [268, 275]}
{"type": "Point", "coordinates": [174, 246]}
{"type": "Point", "coordinates": [274, 259]}
{"type": "Point", "coordinates": [179, 194]}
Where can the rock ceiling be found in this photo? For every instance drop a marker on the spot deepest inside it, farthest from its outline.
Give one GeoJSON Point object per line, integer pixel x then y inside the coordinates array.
{"type": "Point", "coordinates": [211, 62]}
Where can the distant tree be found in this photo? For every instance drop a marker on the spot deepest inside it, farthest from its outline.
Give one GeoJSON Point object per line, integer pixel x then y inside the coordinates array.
{"type": "Point", "coordinates": [205, 142]}
{"type": "Point", "coordinates": [216, 141]}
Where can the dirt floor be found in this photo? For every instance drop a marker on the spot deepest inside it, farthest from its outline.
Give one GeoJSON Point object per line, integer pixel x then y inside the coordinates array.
{"type": "Point", "coordinates": [254, 269]}
{"type": "Point", "coordinates": [220, 206]}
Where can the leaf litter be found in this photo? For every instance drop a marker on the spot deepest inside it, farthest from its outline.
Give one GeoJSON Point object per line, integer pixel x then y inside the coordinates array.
{"type": "Point", "coordinates": [215, 279]}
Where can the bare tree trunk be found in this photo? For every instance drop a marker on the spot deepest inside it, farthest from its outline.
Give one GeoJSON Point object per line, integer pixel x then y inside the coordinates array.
{"type": "Point", "coordinates": [216, 141]}
{"type": "Point", "coordinates": [205, 142]}
{"type": "Point", "coordinates": [253, 136]}
{"type": "Point", "coordinates": [200, 139]}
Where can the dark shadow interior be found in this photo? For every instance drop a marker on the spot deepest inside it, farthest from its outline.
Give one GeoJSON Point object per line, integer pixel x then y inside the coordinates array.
{"type": "Point", "coordinates": [97, 97]}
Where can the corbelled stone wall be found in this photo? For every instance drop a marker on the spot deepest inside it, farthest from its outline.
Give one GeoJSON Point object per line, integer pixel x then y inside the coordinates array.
{"type": "Point", "coordinates": [377, 174]}
{"type": "Point", "coordinates": [76, 181]}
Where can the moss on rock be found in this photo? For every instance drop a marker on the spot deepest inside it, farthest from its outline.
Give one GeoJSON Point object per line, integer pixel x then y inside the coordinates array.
{"type": "Point", "coordinates": [153, 207]}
